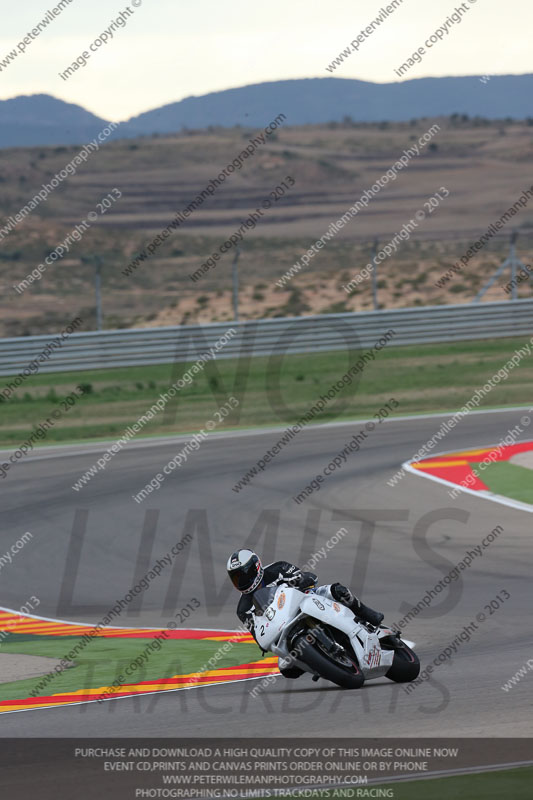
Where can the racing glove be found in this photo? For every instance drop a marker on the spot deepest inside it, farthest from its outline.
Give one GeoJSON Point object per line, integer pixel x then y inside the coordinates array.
{"type": "Point", "coordinates": [304, 581]}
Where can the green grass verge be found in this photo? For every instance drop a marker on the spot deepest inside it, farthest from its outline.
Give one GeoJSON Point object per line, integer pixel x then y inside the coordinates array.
{"type": "Point", "coordinates": [104, 659]}
{"type": "Point", "coordinates": [423, 379]}
{"type": "Point", "coordinates": [514, 784]}
{"type": "Point", "coordinates": [509, 480]}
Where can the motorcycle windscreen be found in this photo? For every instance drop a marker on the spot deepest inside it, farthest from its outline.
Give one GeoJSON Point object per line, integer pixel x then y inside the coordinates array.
{"type": "Point", "coordinates": [263, 598]}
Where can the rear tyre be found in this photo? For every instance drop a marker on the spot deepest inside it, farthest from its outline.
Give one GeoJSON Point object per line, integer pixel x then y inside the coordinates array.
{"type": "Point", "coordinates": [345, 677]}
{"type": "Point", "coordinates": [405, 666]}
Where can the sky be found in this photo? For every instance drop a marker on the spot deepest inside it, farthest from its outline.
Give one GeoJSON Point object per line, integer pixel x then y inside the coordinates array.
{"type": "Point", "coordinates": [171, 49]}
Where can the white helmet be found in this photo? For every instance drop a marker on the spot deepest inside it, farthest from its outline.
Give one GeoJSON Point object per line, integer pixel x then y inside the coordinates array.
{"type": "Point", "coordinates": [245, 570]}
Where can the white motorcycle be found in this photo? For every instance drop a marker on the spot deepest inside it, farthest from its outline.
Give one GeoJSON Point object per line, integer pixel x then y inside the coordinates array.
{"type": "Point", "coordinates": [325, 638]}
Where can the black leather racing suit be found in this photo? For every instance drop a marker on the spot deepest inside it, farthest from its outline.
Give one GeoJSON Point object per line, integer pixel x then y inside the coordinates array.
{"type": "Point", "coordinates": [273, 574]}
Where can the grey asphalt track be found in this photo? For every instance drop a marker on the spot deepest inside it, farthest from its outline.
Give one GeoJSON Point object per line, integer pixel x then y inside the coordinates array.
{"type": "Point", "coordinates": [401, 541]}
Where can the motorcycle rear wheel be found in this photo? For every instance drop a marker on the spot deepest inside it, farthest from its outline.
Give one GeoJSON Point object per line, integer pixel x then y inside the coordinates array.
{"type": "Point", "coordinates": [346, 678]}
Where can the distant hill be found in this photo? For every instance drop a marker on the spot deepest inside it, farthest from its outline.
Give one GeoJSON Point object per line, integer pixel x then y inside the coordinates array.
{"type": "Point", "coordinates": [44, 120]}
{"type": "Point", "coordinates": [40, 119]}
{"type": "Point", "coordinates": [317, 100]}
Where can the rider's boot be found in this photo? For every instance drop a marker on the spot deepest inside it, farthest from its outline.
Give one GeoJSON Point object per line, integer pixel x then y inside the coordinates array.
{"type": "Point", "coordinates": [347, 598]}
{"type": "Point", "coordinates": [288, 670]}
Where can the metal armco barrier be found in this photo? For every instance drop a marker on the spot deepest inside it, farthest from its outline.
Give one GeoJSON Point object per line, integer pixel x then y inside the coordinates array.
{"type": "Point", "coordinates": [123, 348]}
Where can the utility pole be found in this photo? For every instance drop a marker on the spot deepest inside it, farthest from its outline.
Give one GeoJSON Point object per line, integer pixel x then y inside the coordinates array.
{"type": "Point", "coordinates": [512, 262]}
{"type": "Point", "coordinates": [96, 261]}
{"type": "Point", "coordinates": [98, 291]}
{"type": "Point", "coordinates": [235, 276]}
{"type": "Point", "coordinates": [375, 276]}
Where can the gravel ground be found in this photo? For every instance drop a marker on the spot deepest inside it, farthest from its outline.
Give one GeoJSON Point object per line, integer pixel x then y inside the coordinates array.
{"type": "Point", "coordinates": [16, 668]}
{"type": "Point", "coordinates": [523, 459]}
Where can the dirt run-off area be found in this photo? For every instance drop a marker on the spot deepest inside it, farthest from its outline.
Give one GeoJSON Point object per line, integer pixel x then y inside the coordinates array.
{"type": "Point", "coordinates": [15, 667]}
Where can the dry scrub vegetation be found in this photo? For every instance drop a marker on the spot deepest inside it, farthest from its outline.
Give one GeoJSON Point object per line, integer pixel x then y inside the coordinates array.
{"type": "Point", "coordinates": [483, 164]}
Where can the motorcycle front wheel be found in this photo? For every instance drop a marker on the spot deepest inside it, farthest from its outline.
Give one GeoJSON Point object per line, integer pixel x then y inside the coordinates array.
{"type": "Point", "coordinates": [326, 667]}
{"type": "Point", "coordinates": [405, 666]}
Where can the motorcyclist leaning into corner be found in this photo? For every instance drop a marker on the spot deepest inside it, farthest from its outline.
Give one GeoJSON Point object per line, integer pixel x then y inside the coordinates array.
{"type": "Point", "coordinates": [248, 575]}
